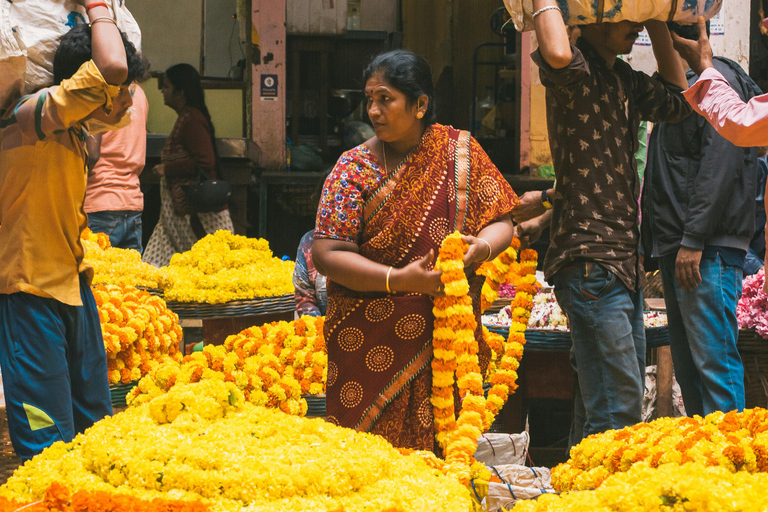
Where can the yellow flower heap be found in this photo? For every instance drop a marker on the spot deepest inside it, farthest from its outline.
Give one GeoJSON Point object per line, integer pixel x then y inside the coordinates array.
{"type": "Point", "coordinates": [224, 267]}
{"type": "Point", "coordinates": [691, 487]}
{"type": "Point", "coordinates": [734, 441]}
{"type": "Point", "coordinates": [273, 365]}
{"type": "Point", "coordinates": [205, 442]}
{"type": "Point", "coordinates": [138, 330]}
{"type": "Point", "coordinates": [455, 352]}
{"type": "Point", "coordinates": [112, 265]}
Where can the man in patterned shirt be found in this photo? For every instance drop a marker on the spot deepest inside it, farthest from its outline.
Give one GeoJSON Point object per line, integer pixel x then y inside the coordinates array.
{"type": "Point", "coordinates": [595, 102]}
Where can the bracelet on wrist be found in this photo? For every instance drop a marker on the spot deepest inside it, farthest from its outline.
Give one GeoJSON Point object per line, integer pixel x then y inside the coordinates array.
{"type": "Point", "coordinates": [95, 4]}
{"type": "Point", "coordinates": [102, 18]}
{"type": "Point", "coordinates": [544, 9]}
{"type": "Point", "coordinates": [545, 200]}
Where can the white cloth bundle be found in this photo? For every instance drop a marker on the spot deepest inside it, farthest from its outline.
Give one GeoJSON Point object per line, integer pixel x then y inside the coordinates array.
{"type": "Point", "coordinates": [518, 483]}
{"type": "Point", "coordinates": [29, 35]}
{"type": "Point", "coordinates": [582, 12]}
{"type": "Point", "coordinates": [500, 449]}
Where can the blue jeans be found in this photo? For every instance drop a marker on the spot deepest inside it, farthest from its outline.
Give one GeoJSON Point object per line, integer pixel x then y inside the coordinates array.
{"type": "Point", "coordinates": [702, 336]}
{"type": "Point", "coordinates": [54, 369]}
{"type": "Point", "coordinates": [608, 350]}
{"type": "Point", "coordinates": [122, 227]}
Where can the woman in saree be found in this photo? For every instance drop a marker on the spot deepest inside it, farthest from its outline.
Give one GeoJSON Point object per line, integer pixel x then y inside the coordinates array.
{"type": "Point", "coordinates": [383, 214]}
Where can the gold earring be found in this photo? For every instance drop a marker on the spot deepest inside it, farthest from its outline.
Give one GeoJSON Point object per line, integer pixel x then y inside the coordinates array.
{"type": "Point", "coordinates": [419, 115]}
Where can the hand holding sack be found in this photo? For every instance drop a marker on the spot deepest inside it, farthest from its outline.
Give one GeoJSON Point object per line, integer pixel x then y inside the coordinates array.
{"type": "Point", "coordinates": [581, 12]}
{"type": "Point", "coordinates": [29, 35]}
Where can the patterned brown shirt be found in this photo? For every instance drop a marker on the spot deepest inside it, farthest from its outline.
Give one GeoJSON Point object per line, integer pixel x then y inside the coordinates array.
{"type": "Point", "coordinates": [593, 115]}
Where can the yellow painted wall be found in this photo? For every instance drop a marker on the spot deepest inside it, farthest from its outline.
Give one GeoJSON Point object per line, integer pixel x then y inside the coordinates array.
{"type": "Point", "coordinates": [225, 105]}
{"type": "Point", "coordinates": [540, 153]}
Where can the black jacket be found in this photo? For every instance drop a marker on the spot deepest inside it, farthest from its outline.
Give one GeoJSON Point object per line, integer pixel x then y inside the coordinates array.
{"type": "Point", "coordinates": [699, 188]}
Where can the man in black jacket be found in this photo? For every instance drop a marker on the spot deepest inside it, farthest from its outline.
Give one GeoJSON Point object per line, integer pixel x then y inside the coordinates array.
{"type": "Point", "coordinates": [698, 221]}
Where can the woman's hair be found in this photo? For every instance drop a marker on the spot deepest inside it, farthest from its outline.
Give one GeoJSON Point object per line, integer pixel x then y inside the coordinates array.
{"type": "Point", "coordinates": [75, 49]}
{"type": "Point", "coordinates": [408, 73]}
{"type": "Point", "coordinates": [185, 77]}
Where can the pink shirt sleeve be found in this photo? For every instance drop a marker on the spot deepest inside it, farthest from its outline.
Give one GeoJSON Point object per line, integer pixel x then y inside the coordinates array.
{"type": "Point", "coordinates": [744, 124]}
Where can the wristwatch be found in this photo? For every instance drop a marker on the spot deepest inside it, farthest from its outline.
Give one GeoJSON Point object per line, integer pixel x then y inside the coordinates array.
{"type": "Point", "coordinates": [545, 200]}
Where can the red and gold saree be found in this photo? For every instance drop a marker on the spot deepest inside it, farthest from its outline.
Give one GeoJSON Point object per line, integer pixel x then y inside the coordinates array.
{"type": "Point", "coordinates": [380, 345]}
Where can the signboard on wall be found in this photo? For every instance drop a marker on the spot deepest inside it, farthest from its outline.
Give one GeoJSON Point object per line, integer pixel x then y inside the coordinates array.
{"type": "Point", "coordinates": [268, 87]}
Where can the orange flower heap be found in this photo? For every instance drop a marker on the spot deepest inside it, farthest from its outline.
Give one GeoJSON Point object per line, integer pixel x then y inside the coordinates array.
{"type": "Point", "coordinates": [139, 331]}
{"type": "Point", "coordinates": [273, 365]}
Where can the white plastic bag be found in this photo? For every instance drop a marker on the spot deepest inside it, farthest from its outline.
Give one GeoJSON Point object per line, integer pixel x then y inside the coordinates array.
{"type": "Point", "coordinates": [518, 483]}
{"type": "Point", "coordinates": [29, 35]}
{"type": "Point", "coordinates": [581, 12]}
{"type": "Point", "coordinates": [501, 449]}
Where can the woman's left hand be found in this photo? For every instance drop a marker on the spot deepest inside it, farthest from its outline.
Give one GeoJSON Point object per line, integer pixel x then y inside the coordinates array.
{"type": "Point", "coordinates": [479, 250]}
{"type": "Point", "coordinates": [159, 170]}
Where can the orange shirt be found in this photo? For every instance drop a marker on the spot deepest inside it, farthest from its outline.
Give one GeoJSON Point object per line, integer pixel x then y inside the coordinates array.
{"type": "Point", "coordinates": [113, 183]}
{"type": "Point", "coordinates": [42, 187]}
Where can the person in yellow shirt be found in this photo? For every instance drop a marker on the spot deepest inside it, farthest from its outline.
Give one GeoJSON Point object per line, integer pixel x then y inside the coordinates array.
{"type": "Point", "coordinates": [51, 350]}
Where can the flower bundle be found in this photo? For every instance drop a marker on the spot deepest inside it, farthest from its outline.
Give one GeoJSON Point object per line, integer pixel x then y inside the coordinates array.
{"type": "Point", "coordinates": [112, 265]}
{"type": "Point", "coordinates": [503, 380]}
{"type": "Point", "coordinates": [734, 441]}
{"type": "Point", "coordinates": [57, 498]}
{"type": "Point", "coordinates": [203, 442]}
{"type": "Point", "coordinates": [224, 267]}
{"type": "Point", "coordinates": [273, 365]}
{"type": "Point", "coordinates": [692, 486]}
{"type": "Point", "coordinates": [139, 332]}
{"type": "Point", "coordinates": [495, 273]}
{"type": "Point", "coordinates": [752, 310]}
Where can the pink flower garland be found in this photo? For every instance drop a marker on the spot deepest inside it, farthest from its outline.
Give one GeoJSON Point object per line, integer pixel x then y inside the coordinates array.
{"type": "Point", "coordinates": [752, 310]}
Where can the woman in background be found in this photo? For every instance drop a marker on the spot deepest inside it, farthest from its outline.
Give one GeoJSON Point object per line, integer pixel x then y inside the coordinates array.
{"type": "Point", "coordinates": [191, 145]}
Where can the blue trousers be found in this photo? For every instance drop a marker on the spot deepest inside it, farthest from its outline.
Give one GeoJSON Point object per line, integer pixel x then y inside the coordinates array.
{"type": "Point", "coordinates": [702, 336]}
{"type": "Point", "coordinates": [608, 350]}
{"type": "Point", "coordinates": [122, 227]}
{"type": "Point", "coordinates": [54, 369]}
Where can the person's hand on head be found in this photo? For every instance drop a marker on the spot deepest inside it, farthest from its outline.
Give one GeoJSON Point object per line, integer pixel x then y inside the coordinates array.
{"type": "Point", "coordinates": [698, 54]}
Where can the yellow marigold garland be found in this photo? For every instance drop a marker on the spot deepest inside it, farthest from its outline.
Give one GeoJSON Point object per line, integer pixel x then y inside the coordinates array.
{"type": "Point", "coordinates": [273, 365]}
{"type": "Point", "coordinates": [497, 272]}
{"type": "Point", "coordinates": [670, 487]}
{"type": "Point", "coordinates": [112, 265]}
{"type": "Point", "coordinates": [224, 267]}
{"type": "Point", "coordinates": [734, 441]}
{"type": "Point", "coordinates": [203, 442]}
{"type": "Point", "coordinates": [139, 332]}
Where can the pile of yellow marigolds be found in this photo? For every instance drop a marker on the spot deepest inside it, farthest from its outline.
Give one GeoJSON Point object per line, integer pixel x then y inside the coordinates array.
{"type": "Point", "coordinates": [139, 332]}
{"type": "Point", "coordinates": [273, 365]}
{"type": "Point", "coordinates": [223, 267]}
{"type": "Point", "coordinates": [112, 265]}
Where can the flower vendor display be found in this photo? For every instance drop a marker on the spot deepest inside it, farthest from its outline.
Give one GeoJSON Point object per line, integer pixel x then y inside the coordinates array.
{"type": "Point", "coordinates": [224, 267]}
{"type": "Point", "coordinates": [273, 365]}
{"type": "Point", "coordinates": [57, 498]}
{"type": "Point", "coordinates": [455, 352]}
{"type": "Point", "coordinates": [139, 332]}
{"type": "Point", "coordinates": [670, 487]}
{"type": "Point", "coordinates": [734, 441]}
{"type": "Point", "coordinates": [112, 265]}
{"type": "Point", "coordinates": [752, 310]}
{"type": "Point", "coordinates": [204, 442]}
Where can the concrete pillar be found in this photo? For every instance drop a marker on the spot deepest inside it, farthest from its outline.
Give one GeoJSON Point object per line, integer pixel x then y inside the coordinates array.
{"type": "Point", "coordinates": [268, 36]}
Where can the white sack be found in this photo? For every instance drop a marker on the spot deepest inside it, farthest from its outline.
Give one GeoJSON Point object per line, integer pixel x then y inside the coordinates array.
{"type": "Point", "coordinates": [581, 12]}
{"type": "Point", "coordinates": [518, 483]}
{"type": "Point", "coordinates": [500, 449]}
{"type": "Point", "coordinates": [29, 35]}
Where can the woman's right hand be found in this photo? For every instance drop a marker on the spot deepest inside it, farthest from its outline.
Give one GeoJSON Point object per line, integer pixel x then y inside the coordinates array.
{"type": "Point", "coordinates": [416, 277]}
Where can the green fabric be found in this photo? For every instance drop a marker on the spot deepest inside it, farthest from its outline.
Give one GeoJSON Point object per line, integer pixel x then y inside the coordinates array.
{"type": "Point", "coordinates": [642, 152]}
{"type": "Point", "coordinates": [546, 171]}
{"type": "Point", "coordinates": [37, 418]}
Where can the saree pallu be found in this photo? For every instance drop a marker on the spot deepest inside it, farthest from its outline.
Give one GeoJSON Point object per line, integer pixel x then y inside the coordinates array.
{"type": "Point", "coordinates": [380, 345]}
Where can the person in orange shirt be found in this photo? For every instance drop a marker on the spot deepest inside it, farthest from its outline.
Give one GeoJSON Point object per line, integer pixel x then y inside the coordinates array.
{"type": "Point", "coordinates": [52, 353]}
{"type": "Point", "coordinates": [113, 199]}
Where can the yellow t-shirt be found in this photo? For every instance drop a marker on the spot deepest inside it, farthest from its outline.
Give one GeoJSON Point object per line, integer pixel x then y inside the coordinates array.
{"type": "Point", "coordinates": [42, 187]}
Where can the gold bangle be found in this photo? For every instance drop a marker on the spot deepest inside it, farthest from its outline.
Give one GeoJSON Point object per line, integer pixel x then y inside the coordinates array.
{"type": "Point", "coordinates": [490, 249]}
{"type": "Point", "coordinates": [102, 18]}
{"type": "Point", "coordinates": [389, 271]}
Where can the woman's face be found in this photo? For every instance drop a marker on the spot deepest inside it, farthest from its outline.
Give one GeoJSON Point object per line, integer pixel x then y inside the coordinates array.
{"type": "Point", "coordinates": [392, 115]}
{"type": "Point", "coordinates": [170, 94]}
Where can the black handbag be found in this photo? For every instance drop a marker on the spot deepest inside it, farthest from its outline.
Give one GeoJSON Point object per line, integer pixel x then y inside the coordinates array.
{"type": "Point", "coordinates": [207, 195]}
